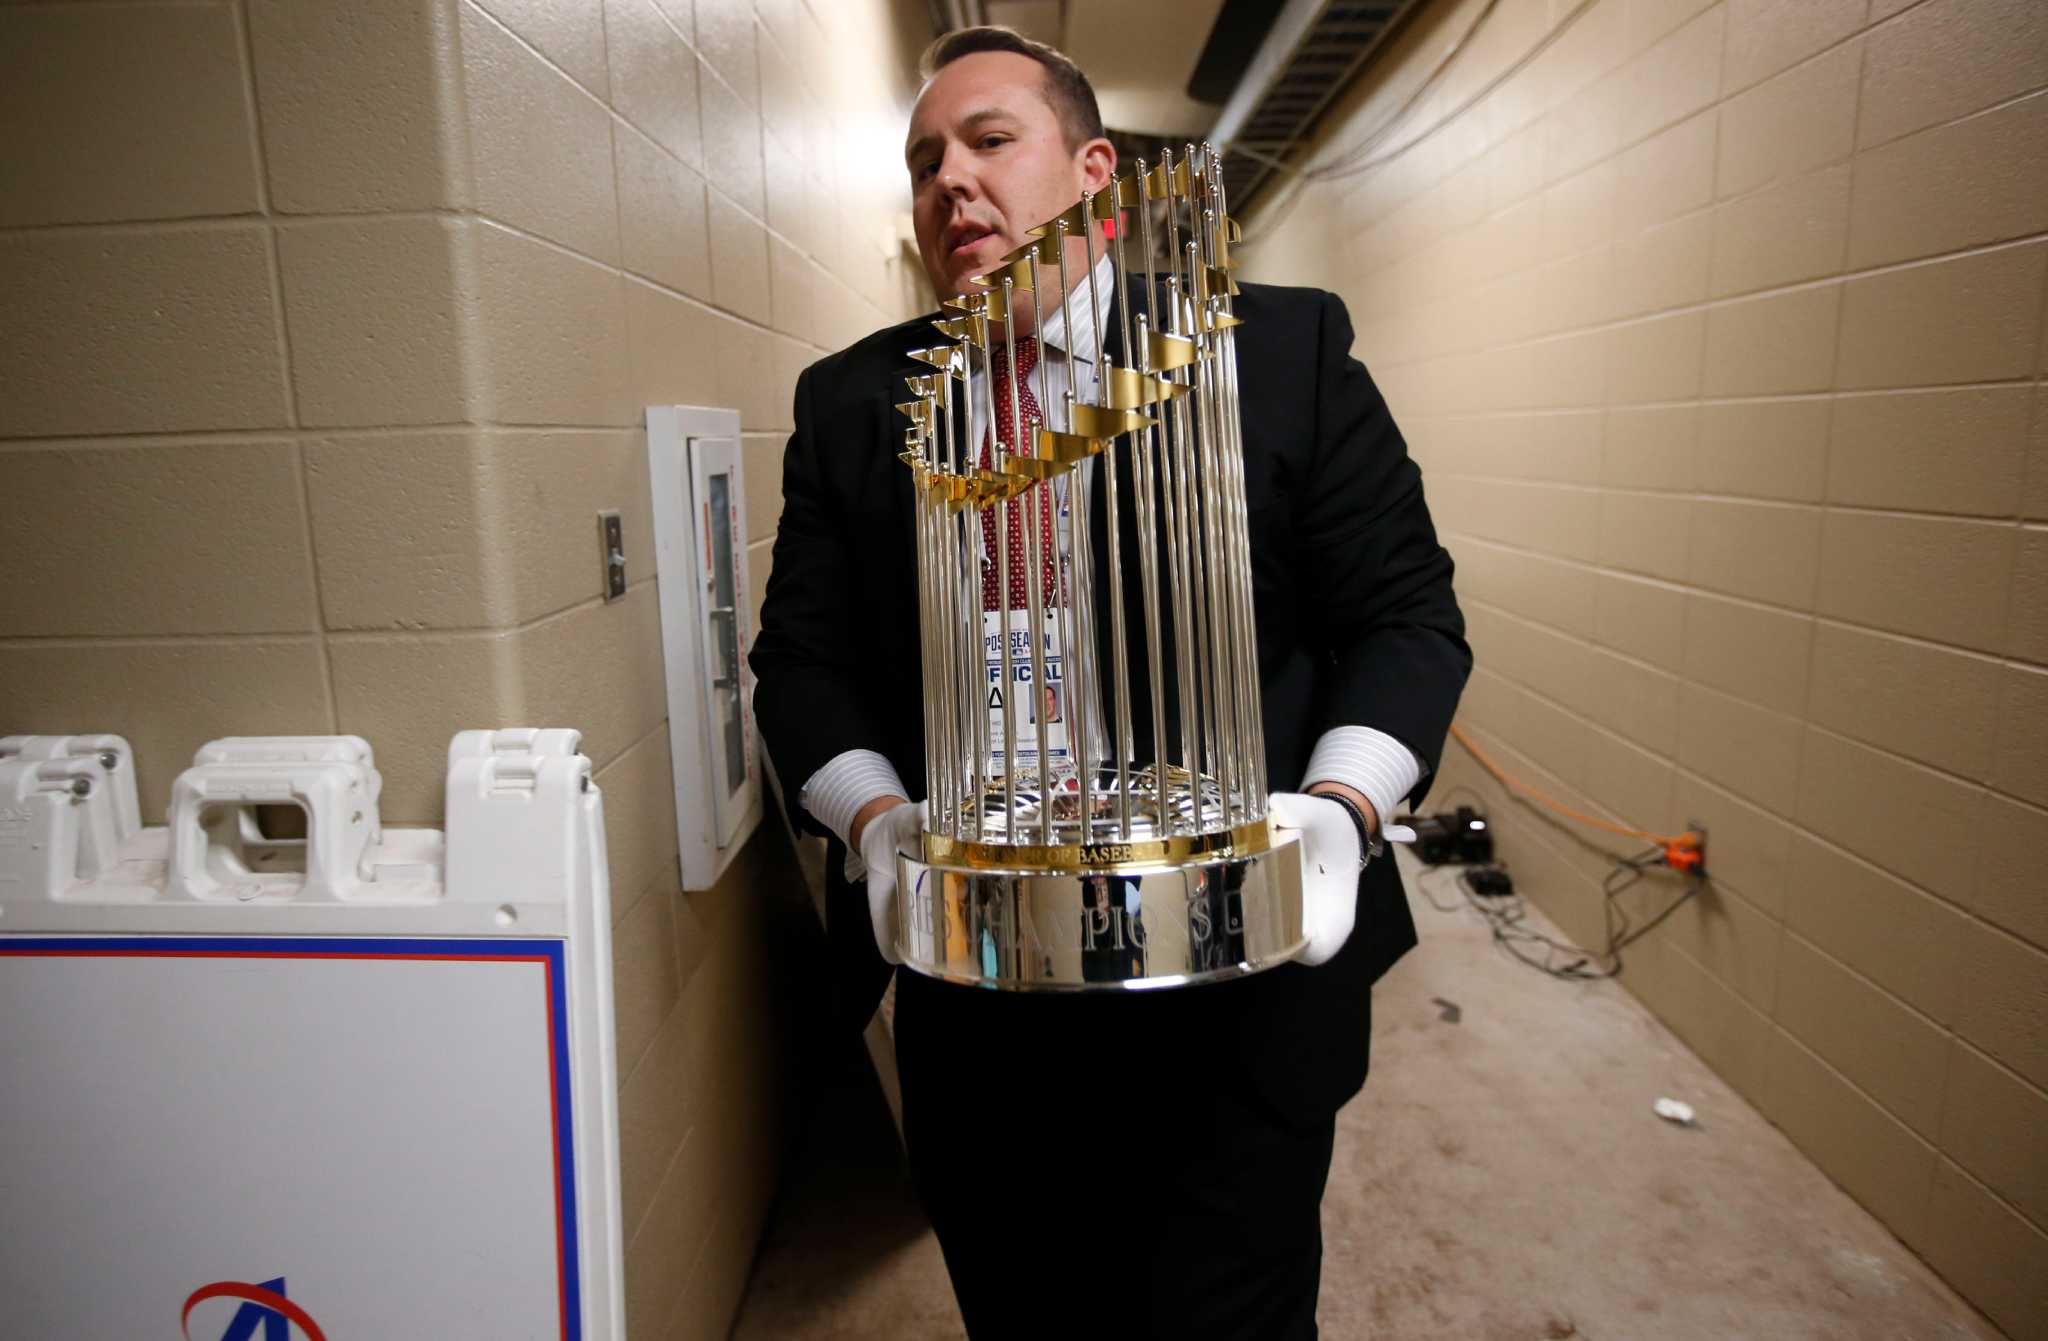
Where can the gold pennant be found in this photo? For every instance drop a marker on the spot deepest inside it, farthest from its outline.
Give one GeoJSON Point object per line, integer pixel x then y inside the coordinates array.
{"type": "Point", "coordinates": [979, 306]}
{"type": "Point", "coordinates": [1209, 281]}
{"type": "Point", "coordinates": [1018, 272]}
{"type": "Point", "coordinates": [1063, 449]}
{"type": "Point", "coordinates": [1096, 421]}
{"type": "Point", "coordinates": [920, 414]}
{"type": "Point", "coordinates": [1169, 351]}
{"type": "Point", "coordinates": [996, 486]}
{"type": "Point", "coordinates": [934, 387]}
{"type": "Point", "coordinates": [972, 329]}
{"type": "Point", "coordinates": [1130, 389]}
{"type": "Point", "coordinates": [1224, 260]}
{"type": "Point", "coordinates": [1077, 216]}
{"type": "Point", "coordinates": [1154, 183]}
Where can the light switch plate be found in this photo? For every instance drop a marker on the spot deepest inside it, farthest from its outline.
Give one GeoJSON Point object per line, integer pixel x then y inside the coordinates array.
{"type": "Point", "coordinates": [611, 541]}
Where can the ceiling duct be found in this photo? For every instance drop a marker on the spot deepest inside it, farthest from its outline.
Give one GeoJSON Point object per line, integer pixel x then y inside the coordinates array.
{"type": "Point", "coordinates": [1313, 50]}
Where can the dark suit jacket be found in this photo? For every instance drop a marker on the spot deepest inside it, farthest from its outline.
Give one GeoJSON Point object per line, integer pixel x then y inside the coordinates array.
{"type": "Point", "coordinates": [1356, 620]}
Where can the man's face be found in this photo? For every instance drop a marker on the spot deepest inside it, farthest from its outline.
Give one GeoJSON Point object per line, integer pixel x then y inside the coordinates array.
{"type": "Point", "coordinates": [988, 160]}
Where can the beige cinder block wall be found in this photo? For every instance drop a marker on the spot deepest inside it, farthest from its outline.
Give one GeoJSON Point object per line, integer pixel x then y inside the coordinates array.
{"type": "Point", "coordinates": [1717, 328]}
{"type": "Point", "coordinates": [328, 329]}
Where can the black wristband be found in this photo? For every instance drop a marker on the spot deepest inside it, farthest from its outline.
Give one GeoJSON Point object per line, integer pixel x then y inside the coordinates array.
{"type": "Point", "coordinates": [1366, 849]}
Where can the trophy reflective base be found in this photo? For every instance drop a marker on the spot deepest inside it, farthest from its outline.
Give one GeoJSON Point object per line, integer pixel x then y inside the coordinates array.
{"type": "Point", "coordinates": [1131, 918]}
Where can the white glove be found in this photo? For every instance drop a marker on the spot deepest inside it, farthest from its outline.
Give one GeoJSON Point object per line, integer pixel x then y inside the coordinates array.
{"type": "Point", "coordinates": [1329, 869]}
{"type": "Point", "coordinates": [894, 830]}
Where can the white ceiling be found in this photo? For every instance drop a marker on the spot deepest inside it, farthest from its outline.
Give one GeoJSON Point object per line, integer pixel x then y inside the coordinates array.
{"type": "Point", "coordinates": [1036, 19]}
{"type": "Point", "coordinates": [1138, 54]}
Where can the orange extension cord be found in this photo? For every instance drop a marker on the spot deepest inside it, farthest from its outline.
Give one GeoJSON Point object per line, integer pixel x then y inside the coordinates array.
{"type": "Point", "coordinates": [1682, 852]}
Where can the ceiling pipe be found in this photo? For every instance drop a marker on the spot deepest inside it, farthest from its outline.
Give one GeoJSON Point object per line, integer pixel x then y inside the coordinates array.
{"type": "Point", "coordinates": [1274, 54]}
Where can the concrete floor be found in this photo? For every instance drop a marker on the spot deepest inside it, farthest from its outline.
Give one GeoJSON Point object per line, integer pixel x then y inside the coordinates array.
{"type": "Point", "coordinates": [1501, 1176]}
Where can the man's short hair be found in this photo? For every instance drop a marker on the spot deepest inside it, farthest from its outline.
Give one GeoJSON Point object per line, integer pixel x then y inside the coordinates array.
{"type": "Point", "coordinates": [1066, 88]}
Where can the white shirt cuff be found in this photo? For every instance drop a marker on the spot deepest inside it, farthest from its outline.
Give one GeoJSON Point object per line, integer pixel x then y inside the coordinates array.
{"type": "Point", "coordinates": [1371, 761]}
{"type": "Point", "coordinates": [835, 793]}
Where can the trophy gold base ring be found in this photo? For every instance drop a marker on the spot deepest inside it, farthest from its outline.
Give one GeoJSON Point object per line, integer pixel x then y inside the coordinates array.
{"type": "Point", "coordinates": [1125, 925]}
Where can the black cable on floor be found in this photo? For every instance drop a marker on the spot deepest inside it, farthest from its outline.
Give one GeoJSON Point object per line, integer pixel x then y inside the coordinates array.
{"type": "Point", "coordinates": [1504, 916]}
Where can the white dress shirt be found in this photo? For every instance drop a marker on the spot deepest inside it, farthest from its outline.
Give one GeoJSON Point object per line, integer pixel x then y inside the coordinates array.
{"type": "Point", "coordinates": [1373, 762]}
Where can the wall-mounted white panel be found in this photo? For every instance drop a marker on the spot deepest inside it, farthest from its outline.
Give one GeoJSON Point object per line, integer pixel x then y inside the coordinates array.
{"type": "Point", "coordinates": [695, 465]}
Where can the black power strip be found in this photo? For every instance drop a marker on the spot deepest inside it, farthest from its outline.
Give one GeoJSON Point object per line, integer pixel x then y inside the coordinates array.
{"type": "Point", "coordinates": [1492, 882]}
{"type": "Point", "coordinates": [1460, 838]}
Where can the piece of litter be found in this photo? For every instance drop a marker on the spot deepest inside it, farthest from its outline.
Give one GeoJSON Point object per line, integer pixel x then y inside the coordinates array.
{"type": "Point", "coordinates": [1673, 1110]}
{"type": "Point", "coordinates": [1450, 1013]}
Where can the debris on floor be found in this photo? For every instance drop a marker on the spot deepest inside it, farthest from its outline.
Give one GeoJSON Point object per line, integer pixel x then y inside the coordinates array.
{"type": "Point", "coordinates": [1673, 1110]}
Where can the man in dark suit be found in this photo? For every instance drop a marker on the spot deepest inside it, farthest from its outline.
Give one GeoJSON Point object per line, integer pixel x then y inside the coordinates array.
{"type": "Point", "coordinates": [1136, 1164]}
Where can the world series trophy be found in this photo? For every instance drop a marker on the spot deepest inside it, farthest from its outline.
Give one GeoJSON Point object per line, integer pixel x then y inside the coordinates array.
{"type": "Point", "coordinates": [1060, 850]}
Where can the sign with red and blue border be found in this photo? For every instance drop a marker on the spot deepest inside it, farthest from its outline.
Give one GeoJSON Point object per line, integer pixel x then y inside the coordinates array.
{"type": "Point", "coordinates": [264, 1302]}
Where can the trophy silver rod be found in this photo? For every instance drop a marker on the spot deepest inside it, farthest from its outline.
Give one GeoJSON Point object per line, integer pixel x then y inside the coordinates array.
{"type": "Point", "coordinates": [1177, 591]}
{"type": "Point", "coordinates": [1209, 630]}
{"type": "Point", "coordinates": [948, 819]}
{"type": "Point", "coordinates": [1034, 574]}
{"type": "Point", "coordinates": [947, 746]}
{"type": "Point", "coordinates": [965, 541]}
{"type": "Point", "coordinates": [930, 507]}
{"type": "Point", "coordinates": [1216, 583]}
{"type": "Point", "coordinates": [1067, 583]}
{"type": "Point", "coordinates": [1119, 655]}
{"type": "Point", "coordinates": [965, 537]}
{"type": "Point", "coordinates": [947, 535]}
{"type": "Point", "coordinates": [1237, 541]}
{"type": "Point", "coordinates": [1143, 444]}
{"type": "Point", "coordinates": [1237, 535]}
{"type": "Point", "coordinates": [974, 673]}
{"type": "Point", "coordinates": [1186, 645]}
{"type": "Point", "coordinates": [960, 658]}
{"type": "Point", "coordinates": [1227, 338]}
{"type": "Point", "coordinates": [949, 615]}
{"type": "Point", "coordinates": [1245, 670]}
{"type": "Point", "coordinates": [1143, 448]}
{"type": "Point", "coordinates": [975, 558]}
{"type": "Point", "coordinates": [1229, 634]}
{"type": "Point", "coordinates": [1083, 601]}
{"type": "Point", "coordinates": [1194, 582]}
{"type": "Point", "coordinates": [1209, 633]}
{"type": "Point", "coordinates": [941, 819]}
{"type": "Point", "coordinates": [924, 598]}
{"type": "Point", "coordinates": [1034, 604]}
{"type": "Point", "coordinates": [1066, 595]}
{"type": "Point", "coordinates": [999, 461]}
{"type": "Point", "coordinates": [1235, 590]}
{"type": "Point", "coordinates": [1221, 543]}
{"type": "Point", "coordinates": [1251, 732]}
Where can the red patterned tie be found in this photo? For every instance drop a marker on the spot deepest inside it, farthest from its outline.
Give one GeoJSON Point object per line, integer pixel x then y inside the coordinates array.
{"type": "Point", "coordinates": [1006, 416]}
